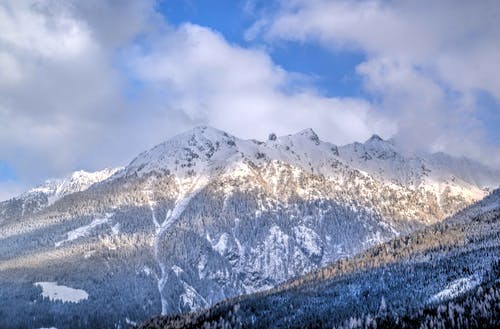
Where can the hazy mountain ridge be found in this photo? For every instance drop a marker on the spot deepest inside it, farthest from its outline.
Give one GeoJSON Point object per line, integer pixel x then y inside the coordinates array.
{"type": "Point", "coordinates": [205, 216]}
{"type": "Point", "coordinates": [49, 192]}
{"type": "Point", "coordinates": [415, 168]}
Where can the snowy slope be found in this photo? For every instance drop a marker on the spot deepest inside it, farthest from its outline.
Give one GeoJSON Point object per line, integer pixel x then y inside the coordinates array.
{"type": "Point", "coordinates": [309, 202]}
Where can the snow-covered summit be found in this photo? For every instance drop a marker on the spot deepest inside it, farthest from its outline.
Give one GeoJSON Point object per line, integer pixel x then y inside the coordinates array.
{"type": "Point", "coordinates": [308, 134]}
{"type": "Point", "coordinates": [207, 153]}
{"type": "Point", "coordinates": [186, 153]}
{"type": "Point", "coordinates": [374, 148]}
{"type": "Point", "coordinates": [382, 159]}
{"type": "Point", "coordinates": [205, 148]}
{"type": "Point", "coordinates": [378, 144]}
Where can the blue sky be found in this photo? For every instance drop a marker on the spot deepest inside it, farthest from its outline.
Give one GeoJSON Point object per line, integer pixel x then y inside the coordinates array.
{"type": "Point", "coordinates": [7, 173]}
{"type": "Point", "coordinates": [81, 91]}
{"type": "Point", "coordinates": [333, 73]}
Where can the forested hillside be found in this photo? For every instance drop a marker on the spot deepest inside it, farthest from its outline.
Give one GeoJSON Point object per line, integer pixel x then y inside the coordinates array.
{"type": "Point", "coordinates": [445, 276]}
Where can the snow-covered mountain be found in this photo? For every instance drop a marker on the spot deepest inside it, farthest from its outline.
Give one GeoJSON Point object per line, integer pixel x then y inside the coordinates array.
{"type": "Point", "coordinates": [50, 191]}
{"type": "Point", "coordinates": [206, 216]}
{"type": "Point", "coordinates": [444, 183]}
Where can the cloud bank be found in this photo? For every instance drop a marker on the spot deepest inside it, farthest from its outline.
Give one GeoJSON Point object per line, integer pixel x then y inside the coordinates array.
{"type": "Point", "coordinates": [81, 91]}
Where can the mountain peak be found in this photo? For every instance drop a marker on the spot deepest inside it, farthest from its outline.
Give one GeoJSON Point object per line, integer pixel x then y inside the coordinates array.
{"type": "Point", "coordinates": [377, 142]}
{"type": "Point", "coordinates": [375, 138]}
{"type": "Point", "coordinates": [207, 131]}
{"type": "Point", "coordinates": [199, 135]}
{"type": "Point", "coordinates": [198, 148]}
{"type": "Point", "coordinates": [310, 134]}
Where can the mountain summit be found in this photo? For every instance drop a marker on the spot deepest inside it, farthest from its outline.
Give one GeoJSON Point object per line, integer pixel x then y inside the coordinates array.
{"type": "Point", "coordinates": [374, 138]}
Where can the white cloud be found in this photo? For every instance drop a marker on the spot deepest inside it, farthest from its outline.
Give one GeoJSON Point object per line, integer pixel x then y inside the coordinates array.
{"type": "Point", "coordinates": [60, 94]}
{"type": "Point", "coordinates": [426, 60]}
{"type": "Point", "coordinates": [10, 70]}
{"type": "Point", "coordinates": [241, 90]}
{"type": "Point", "coordinates": [82, 93]}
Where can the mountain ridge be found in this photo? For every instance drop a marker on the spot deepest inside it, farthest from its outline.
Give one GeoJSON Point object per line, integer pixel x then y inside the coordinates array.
{"type": "Point", "coordinates": [374, 146]}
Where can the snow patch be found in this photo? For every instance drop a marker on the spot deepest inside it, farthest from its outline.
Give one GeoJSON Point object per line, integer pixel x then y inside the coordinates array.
{"type": "Point", "coordinates": [88, 254]}
{"type": "Point", "coordinates": [192, 298]}
{"type": "Point", "coordinates": [202, 265]}
{"type": "Point", "coordinates": [56, 292]}
{"type": "Point", "coordinates": [456, 288]}
{"type": "Point", "coordinates": [84, 230]}
{"type": "Point", "coordinates": [132, 323]}
{"type": "Point", "coordinates": [222, 245]}
{"type": "Point", "coordinates": [147, 270]}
